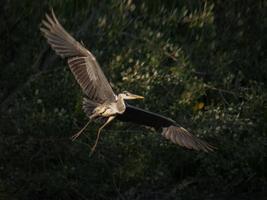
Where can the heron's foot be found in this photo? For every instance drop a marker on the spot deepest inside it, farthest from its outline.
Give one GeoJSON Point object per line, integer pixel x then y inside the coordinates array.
{"type": "Point", "coordinates": [74, 137]}
{"type": "Point", "coordinates": [92, 150]}
{"type": "Point", "coordinates": [96, 142]}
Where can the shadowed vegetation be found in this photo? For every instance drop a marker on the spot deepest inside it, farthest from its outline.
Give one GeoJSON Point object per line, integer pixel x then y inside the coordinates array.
{"type": "Point", "coordinates": [202, 63]}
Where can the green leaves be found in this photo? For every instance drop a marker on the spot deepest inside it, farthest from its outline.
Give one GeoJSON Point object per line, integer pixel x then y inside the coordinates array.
{"type": "Point", "coordinates": [201, 63]}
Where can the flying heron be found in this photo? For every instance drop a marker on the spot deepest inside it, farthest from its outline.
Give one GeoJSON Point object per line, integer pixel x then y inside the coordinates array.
{"type": "Point", "coordinates": [100, 101]}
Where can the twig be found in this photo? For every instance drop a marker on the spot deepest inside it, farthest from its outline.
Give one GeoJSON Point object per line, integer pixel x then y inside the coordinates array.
{"type": "Point", "coordinates": [220, 90]}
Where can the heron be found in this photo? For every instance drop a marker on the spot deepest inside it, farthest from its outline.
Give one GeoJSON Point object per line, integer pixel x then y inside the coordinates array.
{"type": "Point", "coordinates": [100, 101]}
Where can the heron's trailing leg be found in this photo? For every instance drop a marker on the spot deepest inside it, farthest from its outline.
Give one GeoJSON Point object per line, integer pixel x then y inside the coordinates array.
{"type": "Point", "coordinates": [99, 131]}
{"type": "Point", "coordinates": [80, 132]}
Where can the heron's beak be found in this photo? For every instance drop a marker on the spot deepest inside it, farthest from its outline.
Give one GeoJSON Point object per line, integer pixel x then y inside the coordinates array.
{"type": "Point", "coordinates": [133, 96]}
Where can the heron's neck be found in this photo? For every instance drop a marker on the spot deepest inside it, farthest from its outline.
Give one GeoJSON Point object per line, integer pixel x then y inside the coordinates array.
{"type": "Point", "coordinates": [120, 104]}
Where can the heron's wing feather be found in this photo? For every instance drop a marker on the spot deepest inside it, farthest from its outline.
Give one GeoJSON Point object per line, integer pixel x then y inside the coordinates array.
{"type": "Point", "coordinates": [81, 61]}
{"type": "Point", "coordinates": [171, 130]}
{"type": "Point", "coordinates": [181, 136]}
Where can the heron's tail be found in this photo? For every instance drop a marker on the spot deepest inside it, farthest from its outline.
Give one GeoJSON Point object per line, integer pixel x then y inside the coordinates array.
{"type": "Point", "coordinates": [89, 106]}
{"type": "Point", "coordinates": [181, 136]}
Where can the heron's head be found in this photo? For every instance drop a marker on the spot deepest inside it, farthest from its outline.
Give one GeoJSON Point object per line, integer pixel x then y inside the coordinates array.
{"type": "Point", "coordinates": [127, 95]}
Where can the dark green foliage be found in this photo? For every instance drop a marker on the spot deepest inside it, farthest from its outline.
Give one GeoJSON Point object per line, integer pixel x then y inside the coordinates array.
{"type": "Point", "coordinates": [202, 63]}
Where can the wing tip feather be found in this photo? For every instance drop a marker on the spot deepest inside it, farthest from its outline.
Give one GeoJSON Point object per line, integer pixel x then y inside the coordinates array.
{"type": "Point", "coordinates": [181, 136]}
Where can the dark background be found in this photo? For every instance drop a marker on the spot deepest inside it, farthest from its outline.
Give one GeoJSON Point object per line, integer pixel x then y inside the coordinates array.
{"type": "Point", "coordinates": [202, 63]}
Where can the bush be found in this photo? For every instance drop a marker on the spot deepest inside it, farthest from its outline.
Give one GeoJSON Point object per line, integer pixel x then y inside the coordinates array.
{"type": "Point", "coordinates": [201, 63]}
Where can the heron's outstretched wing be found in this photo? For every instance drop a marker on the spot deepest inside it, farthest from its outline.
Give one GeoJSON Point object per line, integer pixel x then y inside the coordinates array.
{"type": "Point", "coordinates": [81, 61]}
{"type": "Point", "coordinates": [171, 130]}
{"type": "Point", "coordinates": [144, 117]}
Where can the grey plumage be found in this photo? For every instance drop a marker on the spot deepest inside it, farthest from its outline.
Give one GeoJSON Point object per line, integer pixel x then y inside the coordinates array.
{"type": "Point", "coordinates": [181, 136]}
{"type": "Point", "coordinates": [81, 61]}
